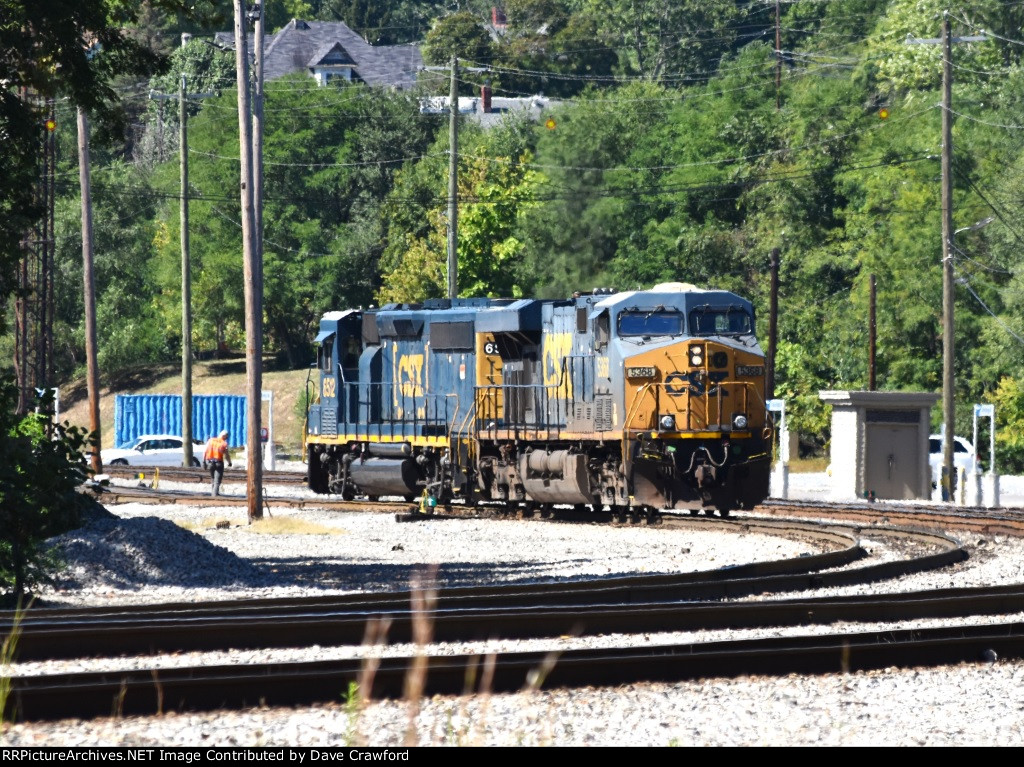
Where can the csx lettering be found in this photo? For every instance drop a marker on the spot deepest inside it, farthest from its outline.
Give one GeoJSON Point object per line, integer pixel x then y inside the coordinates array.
{"type": "Point", "coordinates": [674, 384]}
{"type": "Point", "coordinates": [557, 347]}
{"type": "Point", "coordinates": [410, 375]}
{"type": "Point", "coordinates": [697, 386]}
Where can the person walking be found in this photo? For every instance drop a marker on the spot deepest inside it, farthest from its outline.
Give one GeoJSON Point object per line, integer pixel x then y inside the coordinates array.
{"type": "Point", "coordinates": [216, 454]}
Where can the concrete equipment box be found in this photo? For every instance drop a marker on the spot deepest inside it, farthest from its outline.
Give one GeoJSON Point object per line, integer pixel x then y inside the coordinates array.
{"type": "Point", "coordinates": [879, 447]}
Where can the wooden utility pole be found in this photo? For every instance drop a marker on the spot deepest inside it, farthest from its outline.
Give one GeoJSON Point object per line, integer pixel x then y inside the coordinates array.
{"type": "Point", "coordinates": [778, 59]}
{"type": "Point", "coordinates": [257, 134]}
{"type": "Point", "coordinates": [871, 333]}
{"type": "Point", "coordinates": [89, 282]}
{"type": "Point", "coordinates": [253, 288]}
{"type": "Point", "coordinates": [186, 285]}
{"type": "Point", "coordinates": [948, 295]}
{"type": "Point", "coordinates": [186, 269]}
{"type": "Point", "coordinates": [773, 315]}
{"type": "Point", "coordinates": [948, 380]}
{"type": "Point", "coordinates": [453, 181]}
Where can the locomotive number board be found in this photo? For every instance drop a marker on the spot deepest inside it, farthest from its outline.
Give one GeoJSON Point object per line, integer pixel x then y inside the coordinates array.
{"type": "Point", "coordinates": [640, 372]}
{"type": "Point", "coordinates": [750, 370]}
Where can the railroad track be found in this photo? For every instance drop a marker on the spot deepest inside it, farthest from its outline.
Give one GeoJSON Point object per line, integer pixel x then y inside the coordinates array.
{"type": "Point", "coordinates": [551, 612]}
{"type": "Point", "coordinates": [930, 517]}
{"type": "Point", "coordinates": [198, 475]}
{"type": "Point", "coordinates": [619, 605]}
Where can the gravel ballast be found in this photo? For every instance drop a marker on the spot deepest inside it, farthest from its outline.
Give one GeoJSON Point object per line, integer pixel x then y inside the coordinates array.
{"type": "Point", "coordinates": [151, 553]}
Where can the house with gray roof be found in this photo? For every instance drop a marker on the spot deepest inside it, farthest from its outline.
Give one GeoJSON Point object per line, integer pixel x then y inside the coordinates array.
{"type": "Point", "coordinates": [329, 51]}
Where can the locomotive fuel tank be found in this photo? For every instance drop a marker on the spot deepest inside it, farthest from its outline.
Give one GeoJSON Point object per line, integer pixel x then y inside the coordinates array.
{"type": "Point", "coordinates": [385, 476]}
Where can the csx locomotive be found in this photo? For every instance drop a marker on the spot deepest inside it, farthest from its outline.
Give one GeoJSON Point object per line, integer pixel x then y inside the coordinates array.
{"type": "Point", "coordinates": [632, 402]}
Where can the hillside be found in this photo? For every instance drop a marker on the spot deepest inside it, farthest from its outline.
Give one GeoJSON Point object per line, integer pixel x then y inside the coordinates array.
{"type": "Point", "coordinates": [214, 377]}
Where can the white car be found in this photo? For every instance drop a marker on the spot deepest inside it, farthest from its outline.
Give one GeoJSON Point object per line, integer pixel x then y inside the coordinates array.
{"type": "Point", "coordinates": [152, 450]}
{"type": "Point", "coordinates": [964, 459]}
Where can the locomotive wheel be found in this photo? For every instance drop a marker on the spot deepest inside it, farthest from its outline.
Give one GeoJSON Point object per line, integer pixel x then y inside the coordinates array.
{"type": "Point", "coordinates": [724, 512]}
{"type": "Point", "coordinates": [373, 498]}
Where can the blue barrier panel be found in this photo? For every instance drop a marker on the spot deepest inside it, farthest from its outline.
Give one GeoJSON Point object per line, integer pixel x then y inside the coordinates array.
{"type": "Point", "coordinates": [137, 414]}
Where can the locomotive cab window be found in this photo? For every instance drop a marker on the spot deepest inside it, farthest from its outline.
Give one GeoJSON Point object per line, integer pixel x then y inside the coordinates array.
{"type": "Point", "coordinates": [660, 322]}
{"type": "Point", "coordinates": [324, 354]}
{"type": "Point", "coordinates": [602, 330]}
{"type": "Point", "coordinates": [721, 321]}
{"type": "Point", "coordinates": [352, 349]}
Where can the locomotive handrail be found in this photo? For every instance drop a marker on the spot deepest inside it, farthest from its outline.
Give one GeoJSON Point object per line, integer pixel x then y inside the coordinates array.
{"type": "Point", "coordinates": [436, 410]}
{"type": "Point", "coordinates": [655, 387]}
{"type": "Point", "coordinates": [541, 405]}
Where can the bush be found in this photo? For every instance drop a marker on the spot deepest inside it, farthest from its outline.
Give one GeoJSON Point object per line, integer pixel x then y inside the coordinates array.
{"type": "Point", "coordinates": [41, 468]}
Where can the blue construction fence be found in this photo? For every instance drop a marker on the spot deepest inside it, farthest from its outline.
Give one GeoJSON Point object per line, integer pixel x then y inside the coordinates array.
{"type": "Point", "coordinates": [137, 414]}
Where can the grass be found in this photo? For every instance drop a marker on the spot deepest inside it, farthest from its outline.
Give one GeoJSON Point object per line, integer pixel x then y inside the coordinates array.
{"type": "Point", "coordinates": [7, 650]}
{"type": "Point", "coordinates": [292, 526]}
{"type": "Point", "coordinates": [461, 728]}
{"type": "Point", "coordinates": [265, 526]}
{"type": "Point", "coordinates": [811, 465]}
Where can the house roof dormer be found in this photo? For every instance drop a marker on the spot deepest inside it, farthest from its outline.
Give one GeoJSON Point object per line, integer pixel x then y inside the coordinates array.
{"type": "Point", "coordinates": [331, 54]}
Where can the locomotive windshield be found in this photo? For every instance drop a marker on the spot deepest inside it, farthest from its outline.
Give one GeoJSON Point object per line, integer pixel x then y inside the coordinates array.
{"type": "Point", "coordinates": [654, 323]}
{"type": "Point", "coordinates": [721, 321]}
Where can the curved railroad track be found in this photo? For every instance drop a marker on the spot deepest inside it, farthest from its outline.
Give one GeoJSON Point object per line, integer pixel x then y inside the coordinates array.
{"type": "Point", "coordinates": [674, 602]}
{"type": "Point", "coordinates": [694, 602]}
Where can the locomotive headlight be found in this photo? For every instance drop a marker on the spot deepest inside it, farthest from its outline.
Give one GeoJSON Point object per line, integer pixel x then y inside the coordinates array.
{"type": "Point", "coordinates": [696, 356]}
{"type": "Point", "coordinates": [668, 422]}
{"type": "Point", "coordinates": [739, 421]}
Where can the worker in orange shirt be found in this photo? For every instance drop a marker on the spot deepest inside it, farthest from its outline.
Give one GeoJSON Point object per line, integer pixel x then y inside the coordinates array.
{"type": "Point", "coordinates": [216, 455]}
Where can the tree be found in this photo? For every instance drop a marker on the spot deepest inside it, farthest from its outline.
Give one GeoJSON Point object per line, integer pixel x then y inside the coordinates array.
{"type": "Point", "coordinates": [659, 40]}
{"type": "Point", "coordinates": [54, 49]}
{"type": "Point", "coordinates": [51, 49]}
{"type": "Point", "coordinates": [496, 189]}
{"type": "Point", "coordinates": [459, 34]}
{"type": "Point", "coordinates": [330, 156]}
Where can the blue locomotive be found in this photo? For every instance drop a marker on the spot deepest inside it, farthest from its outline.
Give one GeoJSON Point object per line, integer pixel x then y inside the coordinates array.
{"type": "Point", "coordinates": [631, 402]}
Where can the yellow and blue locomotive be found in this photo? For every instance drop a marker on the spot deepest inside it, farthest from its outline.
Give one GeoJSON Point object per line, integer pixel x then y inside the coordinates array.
{"type": "Point", "coordinates": [631, 401]}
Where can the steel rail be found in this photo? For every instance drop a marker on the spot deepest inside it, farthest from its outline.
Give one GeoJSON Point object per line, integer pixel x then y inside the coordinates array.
{"type": "Point", "coordinates": [152, 691]}
{"type": "Point", "coordinates": [647, 603]}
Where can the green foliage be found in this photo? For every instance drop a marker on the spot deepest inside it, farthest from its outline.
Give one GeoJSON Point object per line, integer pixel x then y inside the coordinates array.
{"type": "Point", "coordinates": [496, 191]}
{"type": "Point", "coordinates": [39, 475]}
{"type": "Point", "coordinates": [459, 34]}
{"type": "Point", "coordinates": [661, 40]}
{"type": "Point", "coordinates": [129, 329]}
{"type": "Point", "coordinates": [1008, 398]}
{"type": "Point", "coordinates": [207, 69]}
{"type": "Point", "coordinates": [903, 66]}
{"type": "Point", "coordinates": [330, 159]}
